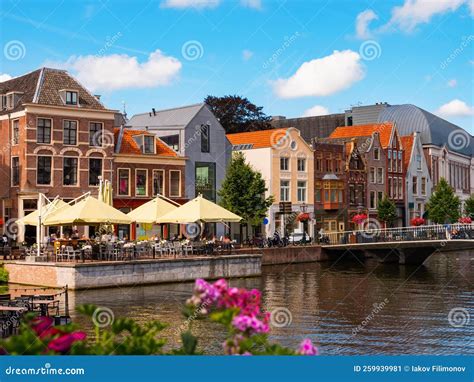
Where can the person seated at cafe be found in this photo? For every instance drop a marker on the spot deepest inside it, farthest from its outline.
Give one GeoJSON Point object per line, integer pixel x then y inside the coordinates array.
{"type": "Point", "coordinates": [75, 234]}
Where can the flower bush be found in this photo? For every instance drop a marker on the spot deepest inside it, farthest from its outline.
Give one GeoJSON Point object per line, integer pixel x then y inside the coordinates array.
{"type": "Point", "coordinates": [417, 221]}
{"type": "Point", "coordinates": [238, 309]}
{"type": "Point", "coordinates": [465, 220]}
{"type": "Point", "coordinates": [303, 217]}
{"type": "Point", "coordinates": [359, 218]}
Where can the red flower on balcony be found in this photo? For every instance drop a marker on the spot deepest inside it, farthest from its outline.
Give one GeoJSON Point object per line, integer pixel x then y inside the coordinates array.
{"type": "Point", "coordinates": [303, 217]}
{"type": "Point", "coordinates": [417, 221]}
{"type": "Point", "coordinates": [359, 218]}
{"type": "Point", "coordinates": [465, 220]}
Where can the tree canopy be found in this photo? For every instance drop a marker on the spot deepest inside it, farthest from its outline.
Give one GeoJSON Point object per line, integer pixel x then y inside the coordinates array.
{"type": "Point", "coordinates": [387, 211]}
{"type": "Point", "coordinates": [469, 207]}
{"type": "Point", "coordinates": [243, 191]}
{"type": "Point", "coordinates": [443, 205]}
{"type": "Point", "coordinates": [237, 114]}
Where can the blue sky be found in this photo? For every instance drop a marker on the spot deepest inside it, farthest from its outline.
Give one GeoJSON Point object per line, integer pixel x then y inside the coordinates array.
{"type": "Point", "coordinates": [291, 57]}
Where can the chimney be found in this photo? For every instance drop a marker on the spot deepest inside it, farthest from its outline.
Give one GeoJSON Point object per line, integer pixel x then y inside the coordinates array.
{"type": "Point", "coordinates": [97, 96]}
{"type": "Point", "coordinates": [154, 111]}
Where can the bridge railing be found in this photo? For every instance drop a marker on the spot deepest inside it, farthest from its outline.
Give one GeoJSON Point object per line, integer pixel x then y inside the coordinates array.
{"type": "Point", "coordinates": [383, 235]}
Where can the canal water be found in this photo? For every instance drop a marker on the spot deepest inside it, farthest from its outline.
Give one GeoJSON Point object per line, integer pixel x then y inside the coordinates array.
{"type": "Point", "coordinates": [347, 308]}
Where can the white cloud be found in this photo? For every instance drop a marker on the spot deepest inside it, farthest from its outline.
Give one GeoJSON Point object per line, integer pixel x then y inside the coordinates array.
{"type": "Point", "coordinates": [414, 12]}
{"type": "Point", "coordinates": [315, 111]}
{"type": "Point", "coordinates": [256, 4]}
{"type": "Point", "coordinates": [120, 71]}
{"type": "Point", "coordinates": [362, 23]}
{"type": "Point", "coordinates": [5, 77]}
{"type": "Point", "coordinates": [247, 54]}
{"type": "Point", "coordinates": [455, 108]}
{"type": "Point", "coordinates": [322, 76]}
{"type": "Point", "coordinates": [180, 4]}
{"type": "Point", "coordinates": [452, 83]}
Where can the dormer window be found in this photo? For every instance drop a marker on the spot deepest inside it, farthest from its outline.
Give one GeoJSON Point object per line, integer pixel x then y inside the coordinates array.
{"type": "Point", "coordinates": [10, 100]}
{"type": "Point", "coordinates": [149, 145]}
{"type": "Point", "coordinates": [71, 97]}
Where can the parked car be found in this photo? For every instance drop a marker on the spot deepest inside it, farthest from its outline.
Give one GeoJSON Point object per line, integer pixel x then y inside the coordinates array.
{"type": "Point", "coordinates": [297, 238]}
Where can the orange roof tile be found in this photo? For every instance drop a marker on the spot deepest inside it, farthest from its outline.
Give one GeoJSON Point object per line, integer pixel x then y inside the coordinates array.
{"type": "Point", "coordinates": [129, 146]}
{"type": "Point", "coordinates": [407, 143]}
{"type": "Point", "coordinates": [384, 129]}
{"type": "Point", "coordinates": [258, 139]}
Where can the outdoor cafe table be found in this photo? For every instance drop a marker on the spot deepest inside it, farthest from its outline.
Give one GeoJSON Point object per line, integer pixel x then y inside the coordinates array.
{"type": "Point", "coordinates": [44, 305]}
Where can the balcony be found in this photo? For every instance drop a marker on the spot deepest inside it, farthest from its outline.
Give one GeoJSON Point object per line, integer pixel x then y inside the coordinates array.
{"type": "Point", "coordinates": [331, 205]}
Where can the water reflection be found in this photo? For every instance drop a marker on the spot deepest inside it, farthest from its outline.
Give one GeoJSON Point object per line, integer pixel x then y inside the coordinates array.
{"type": "Point", "coordinates": [347, 308]}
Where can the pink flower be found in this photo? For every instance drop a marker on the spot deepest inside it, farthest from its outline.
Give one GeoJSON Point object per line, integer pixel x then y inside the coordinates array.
{"type": "Point", "coordinates": [50, 332]}
{"type": "Point", "coordinates": [63, 344]}
{"type": "Point", "coordinates": [307, 348]}
{"type": "Point", "coordinates": [41, 324]}
{"type": "Point", "coordinates": [250, 324]}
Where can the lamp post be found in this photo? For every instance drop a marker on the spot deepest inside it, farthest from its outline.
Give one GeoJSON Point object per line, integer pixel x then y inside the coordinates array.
{"type": "Point", "coordinates": [303, 208]}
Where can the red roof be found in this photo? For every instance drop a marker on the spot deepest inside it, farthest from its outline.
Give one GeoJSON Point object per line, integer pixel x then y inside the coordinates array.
{"type": "Point", "coordinates": [258, 139]}
{"type": "Point", "coordinates": [384, 129]}
{"type": "Point", "coordinates": [407, 144]}
{"type": "Point", "coordinates": [129, 146]}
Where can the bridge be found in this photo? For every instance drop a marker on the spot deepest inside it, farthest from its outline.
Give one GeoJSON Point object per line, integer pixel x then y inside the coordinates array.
{"type": "Point", "coordinates": [404, 245]}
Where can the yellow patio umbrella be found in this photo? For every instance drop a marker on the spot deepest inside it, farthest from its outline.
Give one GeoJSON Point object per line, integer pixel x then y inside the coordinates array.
{"type": "Point", "coordinates": [89, 211]}
{"type": "Point", "coordinates": [49, 211]}
{"type": "Point", "coordinates": [151, 211]}
{"type": "Point", "coordinates": [199, 210]}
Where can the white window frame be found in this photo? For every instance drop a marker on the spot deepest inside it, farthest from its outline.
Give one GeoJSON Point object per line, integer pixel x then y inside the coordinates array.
{"type": "Point", "coordinates": [303, 189]}
{"type": "Point", "coordinates": [288, 190]}
{"type": "Point", "coordinates": [153, 180]}
{"type": "Point", "coordinates": [146, 183]}
{"type": "Point", "coordinates": [118, 181]}
{"type": "Point", "coordinates": [179, 186]}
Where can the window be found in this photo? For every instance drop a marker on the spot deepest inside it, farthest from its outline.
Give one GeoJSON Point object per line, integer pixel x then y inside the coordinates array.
{"type": "Point", "coordinates": [301, 191]}
{"type": "Point", "coordinates": [205, 180]}
{"type": "Point", "coordinates": [415, 185]}
{"type": "Point", "coordinates": [390, 189]}
{"type": "Point", "coordinates": [205, 138]}
{"type": "Point", "coordinates": [400, 167]}
{"type": "Point", "coordinates": [379, 195]}
{"type": "Point", "coordinates": [95, 134]}
{"type": "Point", "coordinates": [317, 164]}
{"type": "Point", "coordinates": [395, 166]}
{"type": "Point", "coordinates": [301, 164]}
{"type": "Point", "coordinates": [15, 132]}
{"type": "Point", "coordinates": [372, 201]}
{"type": "Point", "coordinates": [172, 141]}
{"type": "Point", "coordinates": [175, 183]}
{"type": "Point", "coordinates": [70, 132]}
{"type": "Point", "coordinates": [284, 190]}
{"type": "Point", "coordinates": [395, 188]}
{"type": "Point", "coordinates": [376, 153]}
{"type": "Point", "coordinates": [400, 188]}
{"type": "Point", "coordinates": [317, 195]}
{"type": "Point", "coordinates": [423, 186]}
{"type": "Point", "coordinates": [158, 182]}
{"type": "Point", "coordinates": [43, 175]}
{"type": "Point", "coordinates": [380, 175]}
{"type": "Point", "coordinates": [70, 171]}
{"type": "Point", "coordinates": [418, 161]}
{"type": "Point", "coordinates": [389, 156]}
{"type": "Point", "coordinates": [71, 98]}
{"type": "Point", "coordinates": [284, 164]}
{"type": "Point", "coordinates": [43, 130]}
{"type": "Point", "coordinates": [95, 170]}
{"type": "Point", "coordinates": [15, 171]}
{"type": "Point", "coordinates": [123, 181]}
{"type": "Point", "coordinates": [328, 165]}
{"type": "Point", "coordinates": [352, 194]}
{"type": "Point", "coordinates": [149, 144]}
{"type": "Point", "coordinates": [372, 175]}
{"type": "Point", "coordinates": [141, 180]}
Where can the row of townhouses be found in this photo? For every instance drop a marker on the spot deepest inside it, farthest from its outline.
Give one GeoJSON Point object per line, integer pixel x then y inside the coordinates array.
{"type": "Point", "coordinates": [58, 139]}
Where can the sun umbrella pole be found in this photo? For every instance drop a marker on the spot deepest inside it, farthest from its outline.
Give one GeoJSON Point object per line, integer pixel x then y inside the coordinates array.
{"type": "Point", "coordinates": [39, 227]}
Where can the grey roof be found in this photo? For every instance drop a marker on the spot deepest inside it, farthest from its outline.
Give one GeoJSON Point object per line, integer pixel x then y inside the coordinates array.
{"type": "Point", "coordinates": [175, 118]}
{"type": "Point", "coordinates": [433, 129]}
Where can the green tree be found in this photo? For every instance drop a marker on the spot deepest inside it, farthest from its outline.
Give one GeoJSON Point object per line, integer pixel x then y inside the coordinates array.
{"type": "Point", "coordinates": [443, 206]}
{"type": "Point", "coordinates": [243, 192]}
{"type": "Point", "coordinates": [237, 114]}
{"type": "Point", "coordinates": [387, 211]}
{"type": "Point", "coordinates": [469, 207]}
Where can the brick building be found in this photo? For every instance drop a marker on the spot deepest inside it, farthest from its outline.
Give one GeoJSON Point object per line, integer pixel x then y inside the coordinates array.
{"type": "Point", "coordinates": [145, 166]}
{"type": "Point", "coordinates": [57, 139]}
